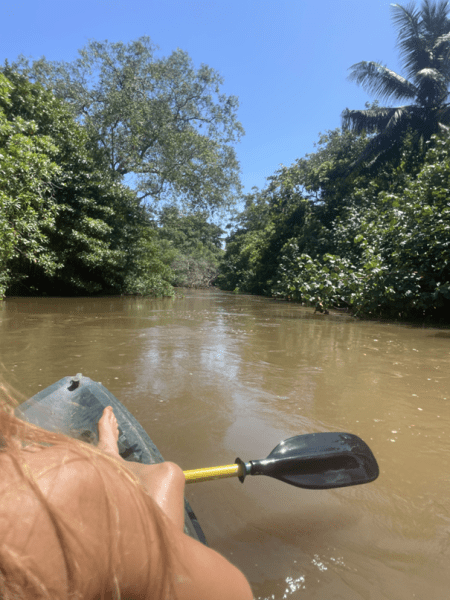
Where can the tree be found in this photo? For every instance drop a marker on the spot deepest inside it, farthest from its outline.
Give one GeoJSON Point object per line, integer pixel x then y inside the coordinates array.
{"type": "Point", "coordinates": [298, 206]}
{"type": "Point", "coordinates": [196, 243]}
{"type": "Point", "coordinates": [424, 43]}
{"type": "Point", "coordinates": [66, 226]}
{"type": "Point", "coordinates": [150, 273]}
{"type": "Point", "coordinates": [27, 206]}
{"type": "Point", "coordinates": [318, 176]}
{"type": "Point", "coordinates": [389, 257]}
{"type": "Point", "coordinates": [158, 120]}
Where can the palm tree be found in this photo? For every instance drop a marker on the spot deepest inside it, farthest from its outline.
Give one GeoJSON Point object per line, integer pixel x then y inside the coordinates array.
{"type": "Point", "coordinates": [424, 44]}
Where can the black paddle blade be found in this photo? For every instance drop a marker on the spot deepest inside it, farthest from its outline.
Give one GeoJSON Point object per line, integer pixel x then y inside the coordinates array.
{"type": "Point", "coordinates": [320, 461]}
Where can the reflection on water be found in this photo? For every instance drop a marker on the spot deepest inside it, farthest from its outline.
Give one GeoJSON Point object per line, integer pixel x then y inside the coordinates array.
{"type": "Point", "coordinates": [212, 376]}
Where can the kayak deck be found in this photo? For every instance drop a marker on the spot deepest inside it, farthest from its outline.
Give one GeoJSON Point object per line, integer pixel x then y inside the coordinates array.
{"type": "Point", "coordinates": [74, 405]}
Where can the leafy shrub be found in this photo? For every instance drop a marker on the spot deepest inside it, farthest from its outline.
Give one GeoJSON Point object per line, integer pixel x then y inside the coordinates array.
{"type": "Point", "coordinates": [329, 282]}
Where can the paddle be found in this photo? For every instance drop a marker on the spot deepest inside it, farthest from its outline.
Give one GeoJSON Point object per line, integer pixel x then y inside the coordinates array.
{"type": "Point", "coordinates": [316, 461]}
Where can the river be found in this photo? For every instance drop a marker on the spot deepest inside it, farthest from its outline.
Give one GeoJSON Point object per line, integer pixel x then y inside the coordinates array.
{"type": "Point", "coordinates": [212, 376]}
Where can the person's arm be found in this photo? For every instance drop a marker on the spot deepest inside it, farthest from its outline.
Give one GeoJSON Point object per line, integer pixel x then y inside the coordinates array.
{"type": "Point", "coordinates": [199, 573]}
{"type": "Point", "coordinates": [203, 574]}
{"type": "Point", "coordinates": [105, 516]}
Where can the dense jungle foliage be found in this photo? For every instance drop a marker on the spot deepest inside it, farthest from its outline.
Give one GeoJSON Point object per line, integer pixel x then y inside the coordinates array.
{"type": "Point", "coordinates": [70, 221]}
{"type": "Point", "coordinates": [377, 244]}
{"type": "Point", "coordinates": [112, 166]}
{"type": "Point", "coordinates": [363, 224]}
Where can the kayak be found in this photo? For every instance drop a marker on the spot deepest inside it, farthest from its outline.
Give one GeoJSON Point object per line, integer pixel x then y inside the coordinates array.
{"type": "Point", "coordinates": [74, 405]}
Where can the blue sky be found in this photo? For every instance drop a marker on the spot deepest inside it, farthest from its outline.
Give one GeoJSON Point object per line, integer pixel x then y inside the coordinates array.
{"type": "Point", "coordinates": [286, 60]}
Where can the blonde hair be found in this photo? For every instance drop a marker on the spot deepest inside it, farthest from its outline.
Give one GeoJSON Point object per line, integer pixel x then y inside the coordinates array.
{"type": "Point", "coordinates": [16, 579]}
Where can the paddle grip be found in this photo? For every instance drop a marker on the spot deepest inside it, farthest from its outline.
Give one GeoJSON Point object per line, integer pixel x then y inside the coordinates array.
{"type": "Point", "coordinates": [210, 473]}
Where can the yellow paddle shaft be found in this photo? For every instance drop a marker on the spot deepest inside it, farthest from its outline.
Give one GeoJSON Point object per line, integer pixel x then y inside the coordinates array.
{"type": "Point", "coordinates": [195, 475]}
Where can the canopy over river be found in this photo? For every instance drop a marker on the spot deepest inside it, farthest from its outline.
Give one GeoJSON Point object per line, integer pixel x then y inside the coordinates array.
{"type": "Point", "coordinates": [212, 376]}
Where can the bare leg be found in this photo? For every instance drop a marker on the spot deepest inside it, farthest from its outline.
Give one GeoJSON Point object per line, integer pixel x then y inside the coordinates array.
{"type": "Point", "coordinates": [108, 432]}
{"type": "Point", "coordinates": [164, 482]}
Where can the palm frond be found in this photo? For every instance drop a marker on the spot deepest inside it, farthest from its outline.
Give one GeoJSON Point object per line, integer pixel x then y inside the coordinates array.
{"type": "Point", "coordinates": [432, 86]}
{"type": "Point", "coordinates": [441, 49]}
{"type": "Point", "coordinates": [424, 44]}
{"type": "Point", "coordinates": [398, 116]}
{"type": "Point", "coordinates": [411, 41]}
{"type": "Point", "coordinates": [434, 17]}
{"type": "Point", "coordinates": [418, 32]}
{"type": "Point", "coordinates": [437, 33]}
{"type": "Point", "coordinates": [373, 120]}
{"type": "Point", "coordinates": [406, 19]}
{"type": "Point", "coordinates": [431, 74]}
{"type": "Point", "coordinates": [433, 77]}
{"type": "Point", "coordinates": [441, 43]}
{"type": "Point", "coordinates": [381, 81]}
{"type": "Point", "coordinates": [399, 119]}
{"type": "Point", "coordinates": [424, 122]}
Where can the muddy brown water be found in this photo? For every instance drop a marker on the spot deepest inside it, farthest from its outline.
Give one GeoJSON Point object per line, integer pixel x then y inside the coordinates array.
{"type": "Point", "coordinates": [212, 376]}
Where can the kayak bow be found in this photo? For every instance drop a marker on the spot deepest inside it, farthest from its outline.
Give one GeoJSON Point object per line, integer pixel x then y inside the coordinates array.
{"type": "Point", "coordinates": [74, 405]}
